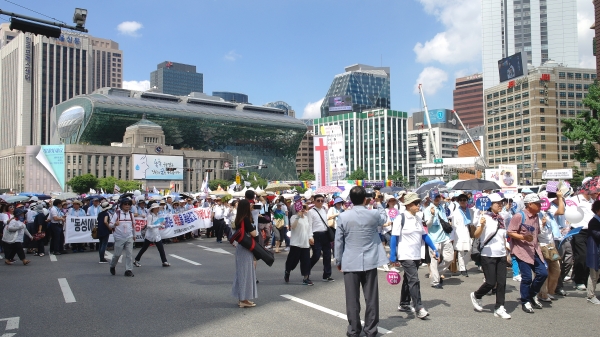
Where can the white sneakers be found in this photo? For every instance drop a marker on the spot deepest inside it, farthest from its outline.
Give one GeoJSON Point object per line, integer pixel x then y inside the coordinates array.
{"type": "Point", "coordinates": [406, 308]}
{"type": "Point", "coordinates": [476, 303]}
{"type": "Point", "coordinates": [581, 287]}
{"type": "Point", "coordinates": [593, 300]}
{"type": "Point", "coordinates": [501, 312]}
{"type": "Point", "coordinates": [422, 313]}
{"type": "Point", "coordinates": [517, 278]}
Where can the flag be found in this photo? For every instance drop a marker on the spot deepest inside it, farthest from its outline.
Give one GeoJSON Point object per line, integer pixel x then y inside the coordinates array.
{"type": "Point", "coordinates": [154, 190]}
{"type": "Point", "coordinates": [255, 177]}
{"type": "Point", "coordinates": [204, 187]}
{"type": "Point", "coordinates": [248, 175]}
{"type": "Point", "coordinates": [117, 189]}
{"type": "Point", "coordinates": [102, 191]}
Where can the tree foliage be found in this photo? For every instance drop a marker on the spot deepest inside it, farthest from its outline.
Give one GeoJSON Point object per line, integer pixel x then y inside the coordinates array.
{"type": "Point", "coordinates": [306, 176]}
{"type": "Point", "coordinates": [577, 178]}
{"type": "Point", "coordinates": [585, 128]}
{"type": "Point", "coordinates": [399, 177]}
{"type": "Point", "coordinates": [358, 174]}
{"type": "Point", "coordinates": [423, 180]}
{"type": "Point", "coordinates": [214, 184]}
{"type": "Point", "coordinates": [82, 184]}
{"type": "Point", "coordinates": [108, 184]}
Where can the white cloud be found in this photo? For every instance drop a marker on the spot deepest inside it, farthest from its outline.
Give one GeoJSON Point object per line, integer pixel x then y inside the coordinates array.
{"type": "Point", "coordinates": [136, 85]}
{"type": "Point", "coordinates": [585, 19]}
{"type": "Point", "coordinates": [432, 79]}
{"type": "Point", "coordinates": [461, 40]}
{"type": "Point", "coordinates": [312, 110]}
{"type": "Point", "coordinates": [130, 28]}
{"type": "Point", "coordinates": [232, 56]}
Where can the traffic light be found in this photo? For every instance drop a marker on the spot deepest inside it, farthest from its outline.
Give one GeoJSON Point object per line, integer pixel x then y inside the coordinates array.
{"type": "Point", "coordinates": [420, 144]}
{"type": "Point", "coordinates": [34, 28]}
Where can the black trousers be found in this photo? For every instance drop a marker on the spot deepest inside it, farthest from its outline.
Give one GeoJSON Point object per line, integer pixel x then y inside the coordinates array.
{"type": "Point", "coordinates": [322, 244]}
{"type": "Point", "coordinates": [295, 255]}
{"type": "Point", "coordinates": [581, 272]}
{"type": "Point", "coordinates": [159, 246]}
{"type": "Point", "coordinates": [58, 237]}
{"type": "Point", "coordinates": [353, 281]}
{"type": "Point", "coordinates": [218, 226]}
{"type": "Point", "coordinates": [13, 249]}
{"type": "Point", "coordinates": [494, 270]}
{"type": "Point", "coordinates": [411, 286]}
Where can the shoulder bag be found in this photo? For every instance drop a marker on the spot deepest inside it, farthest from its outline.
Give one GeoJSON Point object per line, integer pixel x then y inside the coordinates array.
{"type": "Point", "coordinates": [476, 248]}
{"type": "Point", "coordinates": [330, 230]}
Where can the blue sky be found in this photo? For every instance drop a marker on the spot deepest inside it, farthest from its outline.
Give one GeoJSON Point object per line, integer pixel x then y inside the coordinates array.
{"type": "Point", "coordinates": [290, 50]}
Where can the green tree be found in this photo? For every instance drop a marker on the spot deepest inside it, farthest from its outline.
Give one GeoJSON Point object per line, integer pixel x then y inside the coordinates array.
{"type": "Point", "coordinates": [423, 180]}
{"type": "Point", "coordinates": [108, 184]}
{"type": "Point", "coordinates": [397, 176]}
{"type": "Point", "coordinates": [577, 178]}
{"type": "Point", "coordinates": [82, 184]}
{"type": "Point", "coordinates": [214, 184]}
{"type": "Point", "coordinates": [358, 174]}
{"type": "Point", "coordinates": [585, 128]}
{"type": "Point", "coordinates": [306, 176]}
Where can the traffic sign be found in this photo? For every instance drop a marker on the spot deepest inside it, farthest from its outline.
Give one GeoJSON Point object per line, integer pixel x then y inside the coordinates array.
{"type": "Point", "coordinates": [438, 161]}
{"type": "Point", "coordinates": [226, 165]}
{"type": "Point", "coordinates": [238, 179]}
{"type": "Point", "coordinates": [483, 203]}
{"type": "Point", "coordinates": [241, 164]}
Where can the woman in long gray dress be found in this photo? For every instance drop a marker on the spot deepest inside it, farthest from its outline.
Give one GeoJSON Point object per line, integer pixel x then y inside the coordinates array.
{"type": "Point", "coordinates": [244, 284]}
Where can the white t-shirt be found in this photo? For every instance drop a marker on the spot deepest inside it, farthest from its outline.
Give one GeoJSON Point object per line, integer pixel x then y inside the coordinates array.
{"type": "Point", "coordinates": [302, 233]}
{"type": "Point", "coordinates": [497, 246]}
{"type": "Point", "coordinates": [410, 238]}
{"type": "Point", "coordinates": [545, 235]}
{"type": "Point", "coordinates": [586, 207]}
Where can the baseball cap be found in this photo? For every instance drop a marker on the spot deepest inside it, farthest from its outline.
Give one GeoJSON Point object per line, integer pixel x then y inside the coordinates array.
{"type": "Point", "coordinates": [526, 190]}
{"type": "Point", "coordinates": [532, 197]}
{"type": "Point", "coordinates": [338, 199]}
{"type": "Point", "coordinates": [495, 197]}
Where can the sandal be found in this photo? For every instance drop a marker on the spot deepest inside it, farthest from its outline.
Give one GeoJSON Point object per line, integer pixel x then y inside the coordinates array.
{"type": "Point", "coordinates": [7, 261]}
{"type": "Point", "coordinates": [26, 262]}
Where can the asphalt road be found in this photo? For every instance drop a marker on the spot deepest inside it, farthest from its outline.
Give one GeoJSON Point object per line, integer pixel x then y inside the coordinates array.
{"type": "Point", "coordinates": [195, 300]}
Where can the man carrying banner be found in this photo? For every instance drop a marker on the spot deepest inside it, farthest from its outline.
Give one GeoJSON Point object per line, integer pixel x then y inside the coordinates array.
{"type": "Point", "coordinates": [123, 224]}
{"type": "Point", "coordinates": [77, 211]}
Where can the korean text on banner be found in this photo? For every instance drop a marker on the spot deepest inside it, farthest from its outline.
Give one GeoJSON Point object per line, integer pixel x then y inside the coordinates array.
{"type": "Point", "coordinates": [79, 229]}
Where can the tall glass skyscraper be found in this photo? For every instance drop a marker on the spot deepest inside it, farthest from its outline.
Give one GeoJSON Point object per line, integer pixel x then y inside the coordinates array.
{"type": "Point", "coordinates": [176, 79]}
{"type": "Point", "coordinates": [367, 86]}
{"type": "Point", "coordinates": [542, 29]}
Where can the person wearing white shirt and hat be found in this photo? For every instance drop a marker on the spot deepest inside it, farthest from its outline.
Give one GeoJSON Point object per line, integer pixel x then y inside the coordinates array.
{"type": "Point", "coordinates": [154, 223]}
{"type": "Point", "coordinates": [461, 221]}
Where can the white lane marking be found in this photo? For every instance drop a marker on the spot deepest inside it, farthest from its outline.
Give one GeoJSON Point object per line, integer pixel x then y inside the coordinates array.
{"type": "Point", "coordinates": [11, 323]}
{"type": "Point", "coordinates": [186, 260]}
{"type": "Point", "coordinates": [215, 250]}
{"type": "Point", "coordinates": [53, 258]}
{"type": "Point", "coordinates": [109, 256]}
{"type": "Point", "coordinates": [8, 334]}
{"type": "Point", "coordinates": [328, 311]}
{"type": "Point", "coordinates": [66, 290]}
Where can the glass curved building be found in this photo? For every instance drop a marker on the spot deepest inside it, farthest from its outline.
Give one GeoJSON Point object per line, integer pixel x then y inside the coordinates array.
{"type": "Point", "coordinates": [248, 132]}
{"type": "Point", "coordinates": [234, 97]}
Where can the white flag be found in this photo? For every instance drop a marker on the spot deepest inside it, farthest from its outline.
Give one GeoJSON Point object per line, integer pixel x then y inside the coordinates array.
{"type": "Point", "coordinates": [117, 189]}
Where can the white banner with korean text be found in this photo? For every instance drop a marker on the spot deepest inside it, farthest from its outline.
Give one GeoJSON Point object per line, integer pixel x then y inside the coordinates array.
{"type": "Point", "coordinates": [79, 229]}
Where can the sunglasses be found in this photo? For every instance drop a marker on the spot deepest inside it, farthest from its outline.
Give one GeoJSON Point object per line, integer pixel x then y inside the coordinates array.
{"type": "Point", "coordinates": [416, 203]}
{"type": "Point", "coordinates": [319, 200]}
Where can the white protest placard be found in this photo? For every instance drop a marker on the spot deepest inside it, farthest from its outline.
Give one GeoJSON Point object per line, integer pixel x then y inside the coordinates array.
{"type": "Point", "coordinates": [79, 229]}
{"type": "Point", "coordinates": [557, 174]}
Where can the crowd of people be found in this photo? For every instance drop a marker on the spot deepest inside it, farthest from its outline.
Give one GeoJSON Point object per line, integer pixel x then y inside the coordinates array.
{"type": "Point", "coordinates": [543, 248]}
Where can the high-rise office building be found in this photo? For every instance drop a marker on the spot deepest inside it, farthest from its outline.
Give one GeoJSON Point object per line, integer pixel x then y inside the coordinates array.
{"type": "Point", "coordinates": [524, 120]}
{"type": "Point", "coordinates": [375, 140]}
{"type": "Point", "coordinates": [542, 29]}
{"type": "Point", "coordinates": [305, 157]}
{"type": "Point", "coordinates": [176, 79]}
{"type": "Point", "coordinates": [366, 86]}
{"type": "Point", "coordinates": [37, 72]}
{"type": "Point", "coordinates": [468, 100]}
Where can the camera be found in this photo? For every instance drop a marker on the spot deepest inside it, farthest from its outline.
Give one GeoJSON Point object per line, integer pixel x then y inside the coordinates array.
{"type": "Point", "coordinates": [370, 193]}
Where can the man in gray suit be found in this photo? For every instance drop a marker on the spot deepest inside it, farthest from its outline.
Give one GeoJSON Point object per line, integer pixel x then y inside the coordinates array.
{"type": "Point", "coordinates": [358, 253]}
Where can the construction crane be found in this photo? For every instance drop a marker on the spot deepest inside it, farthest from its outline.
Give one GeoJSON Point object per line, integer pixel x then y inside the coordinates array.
{"type": "Point", "coordinates": [436, 154]}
